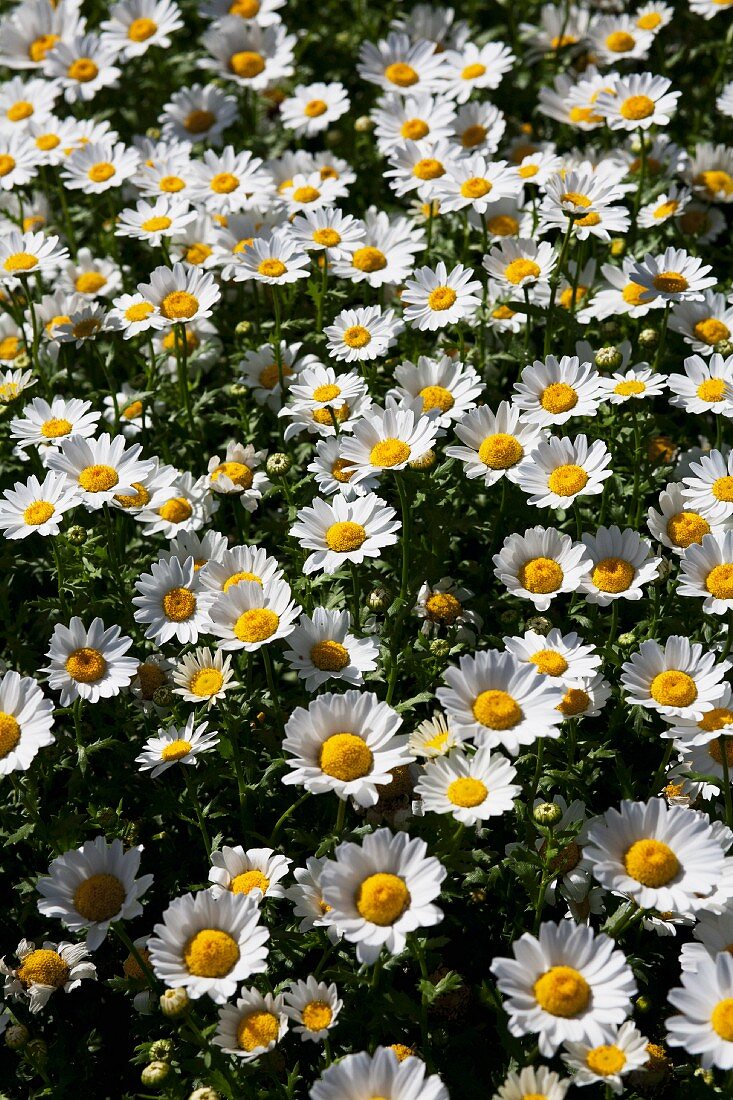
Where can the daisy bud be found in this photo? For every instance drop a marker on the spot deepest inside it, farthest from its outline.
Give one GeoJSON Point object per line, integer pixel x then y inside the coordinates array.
{"type": "Point", "coordinates": [547, 814]}
{"type": "Point", "coordinates": [174, 1002]}
{"type": "Point", "coordinates": [540, 625]}
{"type": "Point", "coordinates": [243, 328]}
{"type": "Point", "coordinates": [707, 1076]}
{"type": "Point", "coordinates": [665, 568]}
{"type": "Point", "coordinates": [609, 358]}
{"type": "Point", "coordinates": [378, 599]}
{"type": "Point", "coordinates": [626, 639]}
{"type": "Point", "coordinates": [161, 1050]}
{"type": "Point", "coordinates": [21, 361]}
{"type": "Point", "coordinates": [648, 338]}
{"type": "Point", "coordinates": [163, 696]}
{"type": "Point", "coordinates": [439, 647]}
{"type": "Point", "coordinates": [37, 1050]}
{"type": "Point", "coordinates": [643, 1004]}
{"type": "Point", "coordinates": [153, 133]}
{"type": "Point", "coordinates": [363, 124]}
{"type": "Point", "coordinates": [154, 1074]}
{"type": "Point", "coordinates": [204, 1093]}
{"type": "Point", "coordinates": [278, 464]}
{"type": "Point", "coordinates": [724, 348]}
{"type": "Point", "coordinates": [237, 390]}
{"type": "Point", "coordinates": [16, 1036]}
{"type": "Point", "coordinates": [617, 247]}
{"type": "Point", "coordinates": [424, 462]}
{"type": "Point", "coordinates": [77, 535]}
{"type": "Point", "coordinates": [333, 137]}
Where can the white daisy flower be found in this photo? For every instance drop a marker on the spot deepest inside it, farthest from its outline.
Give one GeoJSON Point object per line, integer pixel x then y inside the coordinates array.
{"type": "Point", "coordinates": [586, 699]}
{"type": "Point", "coordinates": [26, 719]}
{"type": "Point", "coordinates": [324, 403]}
{"type": "Point", "coordinates": [669, 204]}
{"type": "Point", "coordinates": [419, 166]}
{"type": "Point", "coordinates": [24, 102]}
{"type": "Point", "coordinates": [89, 887]}
{"type": "Point", "coordinates": [387, 255]}
{"type": "Point", "coordinates": [88, 662]}
{"type": "Point", "coordinates": [168, 175]}
{"type": "Point", "coordinates": [181, 294]}
{"type": "Point", "coordinates": [562, 656]}
{"type": "Point", "coordinates": [623, 1050]}
{"type": "Point", "coordinates": [151, 674]}
{"type": "Point", "coordinates": [257, 872]}
{"type": "Point", "coordinates": [133, 26]}
{"type": "Point", "coordinates": [36, 506]}
{"type": "Point", "coordinates": [89, 277]}
{"type": "Point", "coordinates": [237, 474]}
{"type": "Point", "coordinates": [706, 386]}
{"type": "Point", "coordinates": [389, 439]}
{"type": "Point", "coordinates": [202, 677]}
{"type": "Point", "coordinates": [251, 1026]}
{"type": "Point", "coordinates": [710, 488]}
{"type": "Point", "coordinates": [365, 333]}
{"type": "Point", "coordinates": [200, 112]}
{"type": "Point", "coordinates": [478, 127]}
{"type": "Point", "coordinates": [704, 1026]}
{"type": "Point", "coordinates": [327, 230]}
{"type": "Point", "coordinates": [615, 38]}
{"type": "Point", "coordinates": [398, 119]}
{"type": "Point", "coordinates": [677, 526]}
{"type": "Point", "coordinates": [495, 443]}
{"type": "Point", "coordinates": [445, 386]}
{"type": "Point", "coordinates": [347, 744]}
{"type": "Point", "coordinates": [307, 898]}
{"type": "Point", "coordinates": [154, 221]}
{"type": "Point", "coordinates": [471, 788]}
{"type": "Point", "coordinates": [249, 616]}
{"type": "Point", "coordinates": [540, 565]}
{"type": "Point", "coordinates": [434, 737]}
{"type": "Point", "coordinates": [24, 254]}
{"type": "Point", "coordinates": [673, 276]}
{"type": "Point", "coordinates": [176, 745]}
{"type": "Point", "coordinates": [240, 563]}
{"type": "Point", "coordinates": [135, 502]}
{"type": "Point", "coordinates": [713, 933]}
{"type": "Point", "coordinates": [707, 759]}
{"type": "Point", "coordinates": [313, 1007]}
{"type": "Point", "coordinates": [398, 65]}
{"type": "Point", "coordinates": [436, 298]}
{"type": "Point", "coordinates": [185, 505]}
{"type": "Point", "coordinates": [559, 471]}
{"type": "Point", "coordinates": [311, 191]}
{"type": "Point", "coordinates": [84, 323]}
{"type": "Point", "coordinates": [172, 602]}
{"type": "Point", "coordinates": [209, 945]}
{"type": "Point", "coordinates": [442, 604]}
{"type": "Point", "coordinates": [262, 375]}
{"type": "Point", "coordinates": [20, 160]}
{"type": "Point", "coordinates": [706, 571]}
{"type": "Point", "coordinates": [313, 107]}
{"type": "Point", "coordinates": [621, 563]}
{"type": "Point", "coordinates": [703, 324]}
{"type": "Point", "coordinates": [323, 648]}
{"type": "Point", "coordinates": [713, 723]}
{"type": "Point", "coordinates": [567, 984]}
{"type": "Point", "coordinates": [133, 314]}
{"type": "Point", "coordinates": [13, 340]}
{"type": "Point", "coordinates": [358, 1075]}
{"type": "Point", "coordinates": [274, 260]}
{"type": "Point", "coordinates": [333, 474]}
{"type": "Point", "coordinates": [533, 1082]}
{"type": "Point", "coordinates": [43, 970]}
{"type": "Point", "coordinates": [637, 102]}
{"type": "Point", "coordinates": [98, 468]}
{"type": "Point", "coordinates": [680, 680]}
{"type": "Point", "coordinates": [622, 295]}
{"type": "Point", "coordinates": [99, 166]}
{"type": "Point", "coordinates": [13, 383]}
{"type": "Point", "coordinates": [249, 55]}
{"type": "Point", "coordinates": [637, 383]}
{"type": "Point", "coordinates": [82, 65]}
{"type": "Point", "coordinates": [380, 891]}
{"type": "Point", "coordinates": [475, 183]}
{"type": "Point", "coordinates": [262, 12]}
{"type": "Point", "coordinates": [475, 68]}
{"type": "Point", "coordinates": [207, 547]}
{"type": "Point", "coordinates": [227, 182]}
{"type": "Point", "coordinates": [341, 530]}
{"type": "Point", "coordinates": [553, 391]}
{"type": "Point", "coordinates": [707, 8]}
{"type": "Point", "coordinates": [521, 263]}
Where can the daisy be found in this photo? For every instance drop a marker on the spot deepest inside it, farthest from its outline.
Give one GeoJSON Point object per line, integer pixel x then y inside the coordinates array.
{"type": "Point", "coordinates": [389, 439]}
{"type": "Point", "coordinates": [380, 891]}
{"type": "Point", "coordinates": [558, 471]}
{"type": "Point", "coordinates": [398, 65]}
{"type": "Point", "coordinates": [24, 254]}
{"type": "Point", "coordinates": [153, 221]}
{"type": "Point", "coordinates": [172, 602]}
{"type": "Point", "coordinates": [98, 468]}
{"type": "Point", "coordinates": [475, 68]}
{"type": "Point", "coordinates": [521, 263]}
{"type": "Point", "coordinates": [445, 386]}
{"type": "Point", "coordinates": [274, 260]}
{"type": "Point", "coordinates": [251, 1026]}
{"type": "Point", "coordinates": [436, 298]}
{"type": "Point", "coordinates": [387, 255]}
{"type": "Point", "coordinates": [209, 945]}
{"type": "Point", "coordinates": [471, 788]}
{"type": "Point", "coordinates": [621, 563]}
{"type": "Point", "coordinates": [249, 55]}
{"type": "Point", "coordinates": [586, 699]}
{"type": "Point", "coordinates": [704, 1025]}
{"type": "Point", "coordinates": [710, 488]}
{"type": "Point", "coordinates": [567, 984]}
{"type": "Point", "coordinates": [637, 383]}
{"type": "Point", "coordinates": [82, 65]}
{"type": "Point", "coordinates": [202, 677]}
{"type": "Point", "coordinates": [615, 38]}
{"type": "Point", "coordinates": [712, 724]}
{"type": "Point", "coordinates": [434, 737]}
{"type": "Point", "coordinates": [13, 340]}
{"type": "Point", "coordinates": [441, 604]}
{"type": "Point", "coordinates": [531, 1082]}
{"type": "Point", "coordinates": [419, 166]}
{"type": "Point", "coordinates": [623, 1050]}
{"type": "Point", "coordinates": [474, 183]}
{"type": "Point", "coordinates": [88, 663]}
{"type": "Point", "coordinates": [313, 1007]}
{"type": "Point", "coordinates": [249, 616]}
{"type": "Point", "coordinates": [19, 160]}
{"type": "Point", "coordinates": [680, 680]}
{"type": "Point", "coordinates": [677, 526]}
{"type": "Point", "coordinates": [705, 386]}
{"type": "Point", "coordinates": [181, 294]}
{"type": "Point", "coordinates": [90, 887]}
{"type": "Point", "coordinates": [34, 30]}
{"type": "Point", "coordinates": [84, 323]}
{"type": "Point", "coordinates": [13, 383]}
{"type": "Point", "coordinates": [674, 276]}
{"type": "Point", "coordinates": [184, 504]}
{"type": "Point", "coordinates": [262, 375]}
{"type": "Point", "coordinates": [706, 570]}
{"type": "Point", "coordinates": [168, 175]}
{"type": "Point", "coordinates": [313, 107]}
{"type": "Point", "coordinates": [703, 324]}
{"type": "Point", "coordinates": [713, 933]}
{"type": "Point", "coordinates": [176, 745]}
{"type": "Point", "coordinates": [323, 648]}
{"type": "Point", "coordinates": [558, 655]}
{"type": "Point", "coordinates": [637, 102]}
{"type": "Point", "coordinates": [341, 530]}
{"type": "Point", "coordinates": [207, 547]}
{"type": "Point", "coordinates": [310, 191]}
{"type": "Point", "coordinates": [262, 12]}
{"type": "Point", "coordinates": [327, 230]}
{"type": "Point", "coordinates": [553, 391]}
{"type": "Point", "coordinates": [36, 506]}
{"type": "Point", "coordinates": [498, 702]}
{"type": "Point", "coordinates": [622, 295]}
{"type": "Point", "coordinates": [133, 314]}
{"type": "Point", "coordinates": [358, 1075]}
{"type": "Point", "coordinates": [134, 26]}
{"type": "Point", "coordinates": [478, 127]}
{"type": "Point", "coordinates": [237, 474]}
{"type": "Point", "coordinates": [708, 759]}
{"type": "Point", "coordinates": [89, 277]}
{"type": "Point", "coordinates": [495, 443]}
{"type": "Point", "coordinates": [669, 204]}
{"type": "Point", "coordinates": [226, 182]}
{"type": "Point", "coordinates": [240, 563]}
{"type": "Point", "coordinates": [540, 565]}
{"type": "Point", "coordinates": [398, 119]}
{"type": "Point", "coordinates": [26, 719]}
{"type": "Point", "coordinates": [256, 873]}
{"type": "Point", "coordinates": [201, 112]}
{"type": "Point", "coordinates": [151, 674]}
{"type": "Point", "coordinates": [347, 744]}
{"type": "Point", "coordinates": [43, 970]}
{"type": "Point", "coordinates": [366, 333]}
{"type": "Point", "coordinates": [322, 401]}
{"type": "Point", "coordinates": [307, 898]}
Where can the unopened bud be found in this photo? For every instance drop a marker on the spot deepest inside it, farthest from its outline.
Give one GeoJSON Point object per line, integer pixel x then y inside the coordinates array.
{"type": "Point", "coordinates": [617, 246]}
{"type": "Point", "coordinates": [153, 132]}
{"type": "Point", "coordinates": [161, 1050]}
{"type": "Point", "coordinates": [174, 1002]}
{"type": "Point", "coordinates": [16, 1036]}
{"type": "Point", "coordinates": [77, 535]}
{"type": "Point", "coordinates": [425, 462]}
{"type": "Point", "coordinates": [547, 814]}
{"type": "Point", "coordinates": [204, 1093]}
{"type": "Point", "coordinates": [37, 1050]}
{"type": "Point", "coordinates": [164, 696]}
{"type": "Point", "coordinates": [648, 338]}
{"type": "Point", "coordinates": [439, 647]}
{"type": "Point", "coordinates": [278, 464]}
{"type": "Point", "coordinates": [609, 358]}
{"type": "Point", "coordinates": [724, 348]}
{"type": "Point", "coordinates": [643, 1004]}
{"type": "Point", "coordinates": [242, 328]}
{"type": "Point", "coordinates": [154, 1074]}
{"type": "Point", "coordinates": [238, 390]}
{"type": "Point", "coordinates": [363, 124]}
{"type": "Point", "coordinates": [626, 639]}
{"type": "Point", "coordinates": [378, 599]}
{"type": "Point", "coordinates": [540, 625]}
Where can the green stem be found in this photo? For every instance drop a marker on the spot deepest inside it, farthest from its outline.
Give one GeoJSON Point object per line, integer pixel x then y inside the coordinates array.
{"type": "Point", "coordinates": [554, 285]}
{"type": "Point", "coordinates": [727, 794]}
{"type": "Point", "coordinates": [194, 798]}
{"type": "Point", "coordinates": [340, 817]}
{"type": "Point", "coordinates": [274, 697]}
{"type": "Point", "coordinates": [284, 816]}
{"type": "Point", "coordinates": [141, 962]}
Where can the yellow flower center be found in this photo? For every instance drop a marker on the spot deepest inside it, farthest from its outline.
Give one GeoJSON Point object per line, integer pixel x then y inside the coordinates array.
{"type": "Point", "coordinates": [500, 451]}
{"type": "Point", "coordinates": [206, 682]}
{"type": "Point", "coordinates": [711, 330]}
{"type": "Point", "coordinates": [306, 194]}
{"type": "Point", "coordinates": [141, 29]}
{"type": "Point", "coordinates": [326, 392]}
{"type": "Point", "coordinates": [9, 347]}
{"type": "Point", "coordinates": [382, 898]}
{"type": "Point", "coordinates": [20, 261]}
{"type": "Point", "coordinates": [199, 121]}
{"type": "Point", "coordinates": [541, 575]}
{"type": "Point", "coordinates": [722, 489]}
{"type": "Point", "coordinates": [670, 282]}
{"type": "Point", "coordinates": [9, 733]}
{"type": "Point", "coordinates": [140, 497]}
{"type": "Point", "coordinates": [346, 757]}
{"type": "Point", "coordinates": [315, 108]}
{"type": "Point", "coordinates": [98, 479]}
{"type": "Point", "coordinates": [249, 881]}
{"type": "Point", "coordinates": [271, 269]}
{"type": "Point", "coordinates": [46, 142]}
{"type": "Point", "coordinates": [475, 188]}
{"type": "Point", "coordinates": [345, 536]}
{"type": "Point", "coordinates": [132, 411]}
{"type": "Point", "coordinates": [236, 578]}
{"type": "Point", "coordinates": [575, 198]}
{"type": "Point", "coordinates": [179, 604]}
{"type": "Point", "coordinates": [613, 575]}
{"type": "Point", "coordinates": [237, 472]}
{"type": "Point", "coordinates": [562, 991]}
{"type": "Point", "coordinates": [101, 172]}
{"type": "Point", "coordinates": [179, 305]}
{"type": "Point", "coordinates": [719, 582]}
{"type": "Point", "coordinates": [357, 337]}
{"type": "Point", "coordinates": [573, 702]}
{"type": "Point", "coordinates": [389, 452]}
{"type": "Point", "coordinates": [712, 389]}
{"type": "Point", "coordinates": [629, 387]}
{"type": "Point", "coordinates": [684, 528]}
{"type": "Point", "coordinates": [473, 72]}
{"type": "Point", "coordinates": [175, 510]}
{"type": "Point", "coordinates": [402, 74]}
{"type": "Point", "coordinates": [210, 953]}
{"type": "Point", "coordinates": [443, 297]}
{"type": "Point", "coordinates": [442, 607]}
{"type": "Point", "coordinates": [715, 750]}
{"type": "Point", "coordinates": [632, 293]}
{"type": "Point", "coordinates": [636, 107]}
{"type": "Point", "coordinates": [583, 114]}
{"type": "Point", "coordinates": [503, 225]}
{"type": "Point", "coordinates": [605, 1060]}
{"type": "Point", "coordinates": [139, 312]}
{"type": "Point", "coordinates": [329, 656]}
{"type": "Point", "coordinates": [473, 136]}
{"type": "Point", "coordinates": [369, 259]}
{"type": "Point", "coordinates": [89, 282]}
{"type": "Point", "coordinates": [467, 792]}
{"type": "Point", "coordinates": [673, 688]}
{"type": "Point", "coordinates": [86, 665]}
{"type": "Point", "coordinates": [721, 1019]}
{"type": "Point", "coordinates": [40, 46]}
{"type": "Point", "coordinates": [716, 719]}
{"type": "Point", "coordinates": [248, 9]}
{"type": "Point", "coordinates": [316, 1015]}
{"type": "Point", "coordinates": [256, 625]}
{"type": "Point", "coordinates": [437, 397]}
{"type": "Point", "coordinates": [150, 677]}
{"type": "Point", "coordinates": [559, 397]}
{"type": "Point", "coordinates": [156, 225]}
{"type": "Point", "coordinates": [38, 512]}
{"type": "Point", "coordinates": [329, 238]}
{"type": "Point", "coordinates": [550, 662]}
{"type": "Point", "coordinates": [171, 184]}
{"type": "Point", "coordinates": [665, 209]}
{"type": "Point", "coordinates": [247, 64]}
{"type": "Point", "coordinates": [649, 21]}
{"type": "Point", "coordinates": [224, 183]}
{"type": "Point", "coordinates": [43, 967]}
{"type": "Point", "coordinates": [83, 70]}
{"type": "Point", "coordinates": [651, 862]}
{"type": "Point", "coordinates": [428, 169]}
{"type": "Point", "coordinates": [176, 750]}
{"type": "Point", "coordinates": [414, 129]}
{"type": "Point", "coordinates": [257, 1029]}
{"type": "Point", "coordinates": [567, 480]}
{"type": "Point", "coordinates": [715, 182]}
{"type": "Point", "coordinates": [99, 897]}
{"type": "Point", "coordinates": [327, 416]}
{"type": "Point", "coordinates": [521, 269]}
{"type": "Point", "coordinates": [20, 110]}
{"type": "Point", "coordinates": [497, 710]}
{"type": "Point", "coordinates": [342, 471]}
{"type": "Point", "coordinates": [620, 42]}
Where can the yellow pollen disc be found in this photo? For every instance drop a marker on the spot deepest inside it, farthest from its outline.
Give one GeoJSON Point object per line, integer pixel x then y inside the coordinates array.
{"type": "Point", "coordinates": [132, 969]}
{"type": "Point", "coordinates": [306, 194]}
{"type": "Point", "coordinates": [40, 46]}
{"type": "Point", "coordinates": [83, 70]}
{"type": "Point", "coordinates": [20, 261]}
{"type": "Point", "coordinates": [473, 136]}
{"type": "Point", "coordinates": [721, 1019]}
{"type": "Point", "coordinates": [132, 411]}
{"type": "Point", "coordinates": [46, 142]}
{"type": "Point", "coordinates": [620, 42]}
{"type": "Point", "coordinates": [562, 991]}
{"type": "Point", "coordinates": [497, 709]}
{"type": "Point", "coordinates": [573, 702]}
{"type": "Point", "coordinates": [99, 897]}
{"type": "Point", "coordinates": [179, 305]}
{"type": "Point", "coordinates": [271, 269]}
{"type": "Point", "coordinates": [256, 625]}
{"type": "Point", "coordinates": [9, 347]}
{"type": "Point", "coordinates": [237, 577]}
{"type": "Point", "coordinates": [140, 497]}
{"type": "Point", "coordinates": [636, 107]}
{"type": "Point", "coordinates": [630, 387]}
{"type": "Point", "coordinates": [382, 899]}
{"type": "Point", "coordinates": [711, 331]}
{"type": "Point", "coordinates": [475, 188]}
{"type": "Point", "coordinates": [268, 377]}
{"type": "Point", "coordinates": [712, 390]}
{"type": "Point", "coordinates": [176, 750]}
{"type": "Point", "coordinates": [141, 29]}
{"type": "Point", "coordinates": [86, 665]}
{"type": "Point", "coordinates": [326, 392]}
{"type": "Point", "coordinates": [326, 416]}
{"type": "Point", "coordinates": [473, 72]}
{"type": "Point", "coordinates": [722, 489]}
{"type": "Point", "coordinates": [179, 604]}
{"type": "Point", "coordinates": [346, 757]}
{"type": "Point", "coordinates": [414, 129]}
{"type": "Point", "coordinates": [156, 225]}
{"type": "Point", "coordinates": [315, 108]}
{"type": "Point", "coordinates": [613, 575]}
{"type": "Point", "coordinates": [716, 719]}
{"type": "Point", "coordinates": [442, 607]}
{"type": "Point", "coordinates": [605, 1060]}
{"type": "Point", "coordinates": [199, 121]}
{"type": "Point", "coordinates": [247, 64]}
{"type": "Point", "coordinates": [715, 182]}
{"type": "Point", "coordinates": [684, 528]}
{"type": "Point", "coordinates": [443, 297]}
{"type": "Point", "coordinates": [329, 656]}
{"type": "Point", "coordinates": [649, 22]}
{"type": "Point", "coordinates": [86, 328]}
{"type": "Point", "coordinates": [559, 397]}
{"type": "Point", "coordinates": [428, 169]}
{"type": "Point", "coordinates": [139, 312]}
{"type": "Point", "coordinates": [329, 238]}
{"type": "Point", "coordinates": [43, 967]}
{"type": "Point", "coordinates": [665, 209]}
{"type": "Point", "coordinates": [237, 472]}
{"type": "Point", "coordinates": [503, 225]}
{"type": "Point", "coordinates": [171, 184]}
{"type": "Point", "coordinates": [719, 582]}
{"type": "Point", "coordinates": [55, 427]}
{"type": "Point", "coordinates": [575, 198]}
{"type": "Point", "coordinates": [9, 733]}
{"type": "Point", "coordinates": [176, 510]}
{"type": "Point", "coordinates": [170, 342]}
{"type": "Point", "coordinates": [248, 9]}
{"type": "Point", "coordinates": [651, 862]}
{"type": "Point", "coordinates": [673, 688]}
{"type": "Point", "coordinates": [257, 1029]}
{"type": "Point", "coordinates": [670, 282]}
{"type": "Point", "coordinates": [342, 471]}
{"type": "Point", "coordinates": [18, 111]}
{"type": "Point", "coordinates": [589, 219]}
{"type": "Point", "coordinates": [59, 319]}
{"type": "Point", "coordinates": [550, 662]}
{"type": "Point", "coordinates": [467, 792]}
{"type": "Point", "coordinates": [500, 451]}
{"type": "Point", "coordinates": [345, 536]}
{"type": "Point", "coordinates": [210, 953]}
{"type": "Point", "coordinates": [89, 282]}
{"type": "Point", "coordinates": [521, 269]}
{"type": "Point", "coordinates": [101, 172]}
{"type": "Point", "coordinates": [38, 512]}
{"type": "Point", "coordinates": [150, 677]}
{"type": "Point", "coordinates": [401, 74]}
{"type": "Point", "coordinates": [316, 1015]}
{"type": "Point", "coordinates": [583, 114]}
{"type": "Point", "coordinates": [632, 293]}
{"type": "Point", "coordinates": [98, 479]}
{"type": "Point", "coordinates": [357, 337]}
{"type": "Point", "coordinates": [541, 575]}
{"type": "Point", "coordinates": [389, 452]}
{"type": "Point", "coordinates": [369, 259]}
{"type": "Point", "coordinates": [567, 480]}
{"type": "Point", "coordinates": [206, 682]}
{"type": "Point", "coordinates": [249, 881]}
{"type": "Point", "coordinates": [437, 397]}
{"type": "Point", "coordinates": [715, 751]}
{"type": "Point", "coordinates": [224, 183]}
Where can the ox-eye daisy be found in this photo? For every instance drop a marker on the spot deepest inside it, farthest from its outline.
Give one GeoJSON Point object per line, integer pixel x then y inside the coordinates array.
{"type": "Point", "coordinates": [390, 438]}
{"type": "Point", "coordinates": [704, 1026]}
{"type": "Point", "coordinates": [558, 471]}
{"type": "Point", "coordinates": [636, 384]}
{"type": "Point", "coordinates": [553, 391]}
{"type": "Point", "coordinates": [181, 294]}
{"type": "Point", "coordinates": [240, 563]}
{"type": "Point", "coordinates": [256, 872]}
{"type": "Point", "coordinates": [251, 1026]}
{"type": "Point", "coordinates": [398, 65]}
{"type": "Point", "coordinates": [521, 263]}
{"type": "Point", "coordinates": [621, 563]}
{"type": "Point", "coordinates": [681, 679]}
{"type": "Point", "coordinates": [323, 648]}
{"type": "Point", "coordinates": [446, 386]}
{"type": "Point", "coordinates": [176, 745]}
{"type": "Point", "coordinates": [43, 424]}
{"type": "Point", "coordinates": [327, 230]}
{"type": "Point", "coordinates": [249, 616]}
{"type": "Point", "coordinates": [364, 333]}
{"type": "Point", "coordinates": [237, 474]}
{"type": "Point", "coordinates": [172, 602]}
{"type": "Point", "coordinates": [99, 166]}
{"type": "Point", "coordinates": [540, 565]}
{"type": "Point", "coordinates": [198, 113]}
{"type": "Point", "coordinates": [673, 276]}
{"type": "Point", "coordinates": [471, 788]}
{"type": "Point", "coordinates": [340, 531]}
{"type": "Point", "coordinates": [495, 443]}
{"type": "Point", "coordinates": [88, 663]}
{"type": "Point", "coordinates": [203, 677]}
{"type": "Point", "coordinates": [623, 1050]}
{"type": "Point", "coordinates": [24, 254]}
{"type": "Point", "coordinates": [26, 719]}
{"type": "Point", "coordinates": [530, 1082]}
{"type": "Point", "coordinates": [709, 489]}
{"type": "Point", "coordinates": [313, 1007]}
{"type": "Point", "coordinates": [153, 221]}
{"type": "Point", "coordinates": [99, 468]}
{"type": "Point", "coordinates": [43, 970]}
{"type": "Point", "coordinates": [705, 386]}
{"type": "Point", "coordinates": [359, 1075]}
{"type": "Point", "coordinates": [434, 737]}
{"type": "Point", "coordinates": [36, 507]}
{"type": "Point", "coordinates": [558, 655]}
{"type": "Point", "coordinates": [436, 298]}
{"type": "Point", "coordinates": [133, 26]}
{"type": "Point", "coordinates": [706, 571]}
{"type": "Point", "coordinates": [313, 107]}
{"type": "Point", "coordinates": [637, 101]}
{"type": "Point", "coordinates": [705, 323]}
{"type": "Point", "coordinates": [677, 526]}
